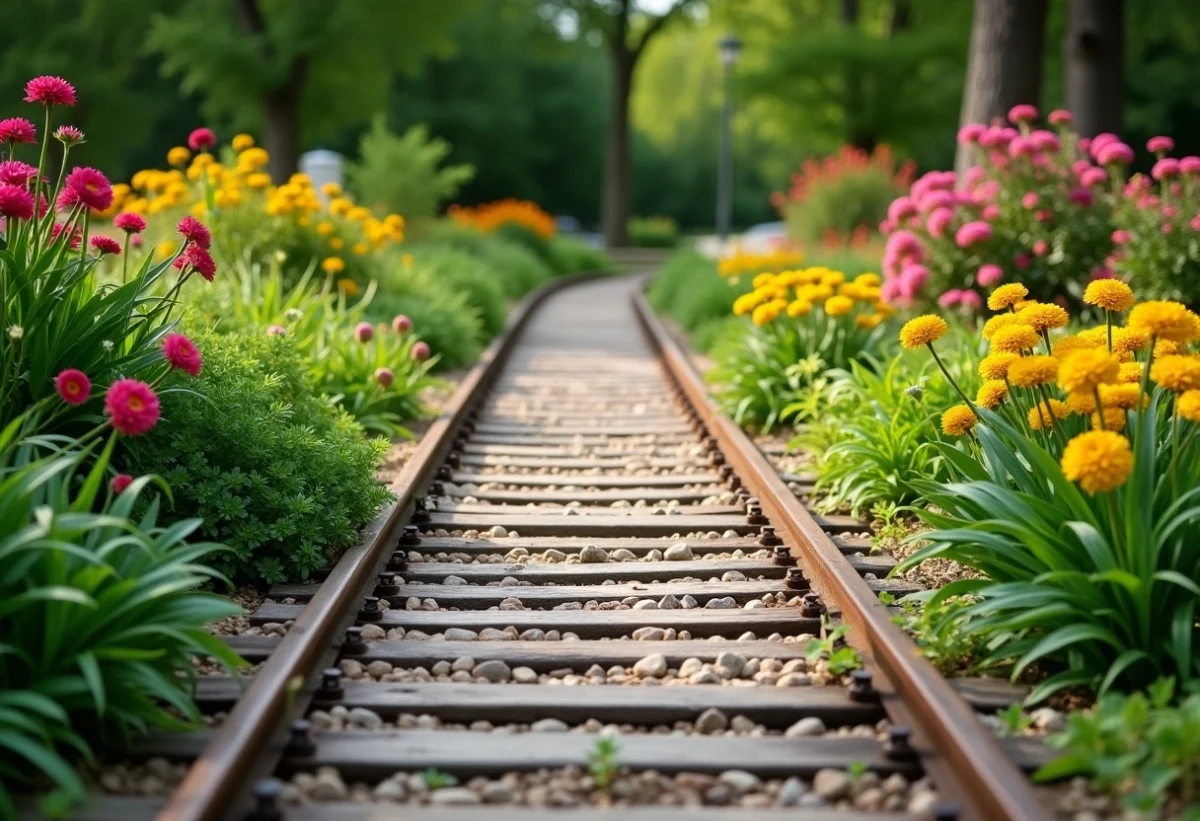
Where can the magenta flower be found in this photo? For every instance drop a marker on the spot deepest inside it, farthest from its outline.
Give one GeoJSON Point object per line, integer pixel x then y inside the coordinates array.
{"type": "Point", "coordinates": [1114, 153]}
{"type": "Point", "coordinates": [1081, 196]}
{"type": "Point", "coordinates": [202, 139]}
{"type": "Point", "coordinates": [938, 221]}
{"type": "Point", "coordinates": [972, 233]}
{"type": "Point", "coordinates": [971, 300]}
{"type": "Point", "coordinates": [1160, 145]}
{"type": "Point", "coordinates": [384, 377]}
{"type": "Point", "coordinates": [88, 187]}
{"type": "Point", "coordinates": [194, 231]}
{"type": "Point", "coordinates": [183, 354]}
{"type": "Point", "coordinates": [76, 234]}
{"type": "Point", "coordinates": [1195, 223]}
{"type": "Point", "coordinates": [1045, 141]}
{"type": "Point", "coordinates": [73, 386]}
{"type": "Point", "coordinates": [1165, 169]}
{"type": "Point", "coordinates": [105, 245]}
{"type": "Point", "coordinates": [1093, 176]}
{"type": "Point", "coordinates": [401, 324]}
{"type": "Point", "coordinates": [120, 482]}
{"type": "Point", "coordinates": [276, 330]}
{"type": "Point", "coordinates": [1021, 147]}
{"type": "Point", "coordinates": [130, 222]}
{"type": "Point", "coordinates": [1060, 116]}
{"type": "Point", "coordinates": [15, 172]}
{"type": "Point", "coordinates": [132, 406]}
{"type": "Point", "coordinates": [1023, 113]}
{"type": "Point", "coordinates": [1040, 247]}
{"type": "Point", "coordinates": [990, 212]}
{"type": "Point", "coordinates": [1022, 261]}
{"type": "Point", "coordinates": [17, 130]}
{"type": "Point", "coordinates": [195, 258]}
{"type": "Point", "coordinates": [49, 90]}
{"type": "Point", "coordinates": [420, 352]}
{"type": "Point", "coordinates": [1190, 165]}
{"type": "Point", "coordinates": [15, 202]}
{"type": "Point", "coordinates": [69, 135]}
{"type": "Point", "coordinates": [970, 133]}
{"type": "Point", "coordinates": [1030, 200]}
{"type": "Point", "coordinates": [950, 298]}
{"type": "Point", "coordinates": [901, 208]}
{"type": "Point", "coordinates": [989, 274]}
{"type": "Point", "coordinates": [364, 331]}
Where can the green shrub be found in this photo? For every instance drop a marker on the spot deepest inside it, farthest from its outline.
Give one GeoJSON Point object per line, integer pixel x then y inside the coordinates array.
{"type": "Point", "coordinates": [653, 232]}
{"type": "Point", "coordinates": [404, 174]}
{"type": "Point", "coordinates": [574, 256]}
{"type": "Point", "coordinates": [517, 268]}
{"type": "Point", "coordinates": [274, 468]}
{"type": "Point", "coordinates": [441, 316]}
{"type": "Point", "coordinates": [100, 617]}
{"type": "Point", "coordinates": [689, 290]}
{"type": "Point", "coordinates": [468, 275]}
{"type": "Point", "coordinates": [528, 239]}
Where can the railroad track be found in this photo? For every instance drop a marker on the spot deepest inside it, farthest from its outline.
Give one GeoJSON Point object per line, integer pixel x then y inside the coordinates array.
{"type": "Point", "coordinates": [582, 549]}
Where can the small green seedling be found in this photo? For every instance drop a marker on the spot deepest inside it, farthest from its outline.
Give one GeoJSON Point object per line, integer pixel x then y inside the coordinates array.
{"type": "Point", "coordinates": [435, 779]}
{"type": "Point", "coordinates": [856, 770]}
{"type": "Point", "coordinates": [841, 660]}
{"type": "Point", "coordinates": [603, 762]}
{"type": "Point", "coordinates": [1014, 720]}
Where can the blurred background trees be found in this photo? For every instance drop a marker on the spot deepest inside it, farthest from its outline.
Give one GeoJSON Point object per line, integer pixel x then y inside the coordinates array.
{"type": "Point", "coordinates": [531, 93]}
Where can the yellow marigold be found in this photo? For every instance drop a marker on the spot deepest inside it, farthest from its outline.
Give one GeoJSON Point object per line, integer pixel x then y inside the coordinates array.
{"type": "Point", "coordinates": [991, 394]}
{"type": "Point", "coordinates": [762, 280]}
{"type": "Point", "coordinates": [1131, 372]}
{"type": "Point", "coordinates": [1042, 317]}
{"type": "Point", "coordinates": [1114, 419]}
{"type": "Point", "coordinates": [1164, 319]}
{"type": "Point", "coordinates": [1176, 372]}
{"type": "Point", "coordinates": [1098, 460]}
{"type": "Point", "coordinates": [347, 287]}
{"type": "Point", "coordinates": [820, 292]}
{"type": "Point", "coordinates": [958, 421]}
{"type": "Point", "coordinates": [1187, 405]}
{"type": "Point", "coordinates": [360, 248]}
{"type": "Point", "coordinates": [305, 220]}
{"type": "Point", "coordinates": [258, 180]}
{"type": "Point", "coordinates": [203, 160]}
{"type": "Point", "coordinates": [1068, 344]}
{"type": "Point", "coordinates": [1007, 295]}
{"type": "Point", "coordinates": [340, 206]}
{"type": "Point", "coordinates": [227, 197]}
{"type": "Point", "coordinates": [1127, 340]}
{"type": "Point", "coordinates": [839, 305]}
{"type": "Point", "coordinates": [1029, 371]}
{"type": "Point", "coordinates": [358, 213]}
{"type": "Point", "coordinates": [1165, 347]}
{"type": "Point", "coordinates": [924, 330]}
{"type": "Point", "coordinates": [1082, 402]}
{"type": "Point", "coordinates": [869, 321]}
{"type": "Point", "coordinates": [253, 158]}
{"type": "Point", "coordinates": [765, 313]}
{"type": "Point", "coordinates": [1124, 397]}
{"type": "Point", "coordinates": [1014, 339]}
{"type": "Point", "coordinates": [798, 307]}
{"type": "Point", "coordinates": [995, 366]}
{"type": "Point", "coordinates": [745, 304]}
{"type": "Point", "coordinates": [833, 278]}
{"type": "Point", "coordinates": [178, 156]}
{"type": "Point", "coordinates": [884, 308]}
{"type": "Point", "coordinates": [336, 243]}
{"type": "Point", "coordinates": [1109, 294]}
{"type": "Point", "coordinates": [1084, 370]}
{"type": "Point", "coordinates": [868, 279]}
{"type": "Point", "coordinates": [164, 249]}
{"type": "Point", "coordinates": [325, 228]}
{"type": "Point", "coordinates": [333, 265]}
{"type": "Point", "coordinates": [997, 322]}
{"type": "Point", "coordinates": [852, 290]}
{"type": "Point", "coordinates": [1042, 415]}
{"type": "Point", "coordinates": [241, 142]}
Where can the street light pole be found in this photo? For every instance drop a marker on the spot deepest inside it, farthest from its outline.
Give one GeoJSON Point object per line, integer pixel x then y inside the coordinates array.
{"type": "Point", "coordinates": [729, 47]}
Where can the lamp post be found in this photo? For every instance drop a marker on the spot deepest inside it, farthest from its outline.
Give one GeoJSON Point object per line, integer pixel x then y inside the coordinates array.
{"type": "Point", "coordinates": [730, 47]}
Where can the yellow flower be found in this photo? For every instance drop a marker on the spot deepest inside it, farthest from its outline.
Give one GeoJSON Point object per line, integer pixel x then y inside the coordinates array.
{"type": "Point", "coordinates": [833, 278]}
{"type": "Point", "coordinates": [336, 243]}
{"type": "Point", "coordinates": [958, 421]}
{"type": "Point", "coordinates": [360, 248]}
{"type": "Point", "coordinates": [1084, 370]}
{"type": "Point", "coordinates": [1042, 414]}
{"type": "Point", "coordinates": [991, 394]}
{"type": "Point", "coordinates": [1187, 405]}
{"type": "Point", "coordinates": [358, 213]}
{"type": "Point", "coordinates": [227, 197]}
{"type": "Point", "coordinates": [1176, 373]}
{"type": "Point", "coordinates": [798, 307]}
{"type": "Point", "coordinates": [406, 260]}
{"type": "Point", "coordinates": [1164, 319]}
{"type": "Point", "coordinates": [999, 321]}
{"type": "Point", "coordinates": [333, 265]}
{"type": "Point", "coordinates": [1165, 347]}
{"type": "Point", "coordinates": [1130, 372]}
{"type": "Point", "coordinates": [1014, 339]}
{"type": "Point", "coordinates": [331, 189]}
{"type": "Point", "coordinates": [1127, 340]}
{"type": "Point", "coordinates": [924, 330]}
{"type": "Point", "coordinates": [325, 228]}
{"type": "Point", "coordinates": [839, 305]}
{"type": "Point", "coordinates": [764, 314]}
{"type": "Point", "coordinates": [1068, 344]}
{"type": "Point", "coordinates": [241, 142]}
{"type": "Point", "coordinates": [1109, 294]}
{"type": "Point", "coordinates": [762, 280]}
{"type": "Point", "coordinates": [253, 158]}
{"type": "Point", "coordinates": [164, 249]}
{"type": "Point", "coordinates": [742, 305]}
{"type": "Point", "coordinates": [1113, 419]}
{"type": "Point", "coordinates": [340, 206]}
{"type": "Point", "coordinates": [1082, 402]}
{"type": "Point", "coordinates": [177, 156]}
{"type": "Point", "coordinates": [202, 161]}
{"type": "Point", "coordinates": [884, 308]}
{"type": "Point", "coordinates": [852, 290]}
{"type": "Point", "coordinates": [995, 366]}
{"type": "Point", "coordinates": [347, 287]}
{"type": "Point", "coordinates": [1043, 317]}
{"type": "Point", "coordinates": [1124, 397]}
{"type": "Point", "coordinates": [1029, 371]}
{"type": "Point", "coordinates": [258, 180]}
{"type": "Point", "coordinates": [1098, 460]}
{"type": "Point", "coordinates": [868, 279]}
{"type": "Point", "coordinates": [869, 321]}
{"type": "Point", "coordinates": [1007, 295]}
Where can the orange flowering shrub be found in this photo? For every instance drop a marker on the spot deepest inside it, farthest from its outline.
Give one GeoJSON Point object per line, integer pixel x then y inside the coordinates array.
{"type": "Point", "coordinates": [492, 216]}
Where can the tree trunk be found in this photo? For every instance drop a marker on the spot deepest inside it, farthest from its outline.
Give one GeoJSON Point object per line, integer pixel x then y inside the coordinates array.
{"type": "Point", "coordinates": [281, 136]}
{"type": "Point", "coordinates": [853, 96]}
{"type": "Point", "coordinates": [1094, 59]}
{"type": "Point", "coordinates": [617, 167]}
{"type": "Point", "coordinates": [1005, 63]}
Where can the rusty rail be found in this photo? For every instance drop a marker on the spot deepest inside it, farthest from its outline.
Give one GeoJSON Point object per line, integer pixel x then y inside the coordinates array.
{"type": "Point", "coordinates": [959, 752]}
{"type": "Point", "coordinates": [251, 741]}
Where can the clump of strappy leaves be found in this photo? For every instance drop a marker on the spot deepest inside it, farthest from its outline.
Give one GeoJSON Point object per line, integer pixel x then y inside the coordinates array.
{"type": "Point", "coordinates": [839, 657]}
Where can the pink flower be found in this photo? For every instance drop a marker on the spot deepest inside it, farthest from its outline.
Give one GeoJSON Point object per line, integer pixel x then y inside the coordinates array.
{"type": "Point", "coordinates": [1020, 147]}
{"type": "Point", "coordinates": [970, 133]}
{"type": "Point", "coordinates": [136, 241]}
{"type": "Point", "coordinates": [1040, 247]}
{"type": "Point", "coordinates": [971, 300]}
{"type": "Point", "coordinates": [972, 176]}
{"type": "Point", "coordinates": [73, 386]}
{"type": "Point", "coordinates": [994, 137]}
{"type": "Point", "coordinates": [384, 377]}
{"type": "Point", "coordinates": [988, 190]}
{"type": "Point", "coordinates": [88, 187]}
{"type": "Point", "coordinates": [1102, 273]}
{"type": "Point", "coordinates": [1190, 165]}
{"type": "Point", "coordinates": [1030, 200]}
{"type": "Point", "coordinates": [276, 330]}
{"type": "Point", "coordinates": [901, 247]}
{"type": "Point", "coordinates": [1165, 168]}
{"type": "Point", "coordinates": [1081, 196]}
{"type": "Point", "coordinates": [1168, 211]}
{"type": "Point", "coordinates": [194, 231]}
{"type": "Point", "coordinates": [132, 406]}
{"type": "Point", "coordinates": [972, 233]}
{"type": "Point", "coordinates": [1060, 116]}
{"type": "Point", "coordinates": [900, 208]}
{"type": "Point", "coordinates": [401, 324]}
{"type": "Point", "coordinates": [938, 221]}
{"type": "Point", "coordinates": [1113, 153]}
{"type": "Point", "coordinates": [202, 139]}
{"type": "Point", "coordinates": [1093, 176]}
{"type": "Point", "coordinates": [105, 245]}
{"type": "Point", "coordinates": [891, 289]}
{"type": "Point", "coordinates": [130, 222]}
{"type": "Point", "coordinates": [15, 172]}
{"type": "Point", "coordinates": [1099, 141]}
{"type": "Point", "coordinates": [363, 332]}
{"type": "Point", "coordinates": [420, 352]}
{"type": "Point", "coordinates": [196, 259]}
{"type": "Point", "coordinates": [989, 274]}
{"type": "Point", "coordinates": [1195, 223]}
{"type": "Point", "coordinates": [1160, 145]}
{"type": "Point", "coordinates": [15, 202]}
{"type": "Point", "coordinates": [1022, 261]}
{"type": "Point", "coordinates": [76, 234]}
{"type": "Point", "coordinates": [1045, 141]}
{"type": "Point", "coordinates": [120, 482]}
{"type": "Point", "coordinates": [1085, 143]}
{"type": "Point", "coordinates": [934, 200]}
{"type": "Point", "coordinates": [1023, 113]}
{"type": "Point", "coordinates": [69, 135]}
{"type": "Point", "coordinates": [950, 298]}
{"type": "Point", "coordinates": [1042, 215]}
{"type": "Point", "coordinates": [912, 280]}
{"type": "Point", "coordinates": [49, 90]}
{"type": "Point", "coordinates": [1167, 227]}
{"type": "Point", "coordinates": [990, 212]}
{"type": "Point", "coordinates": [17, 130]}
{"type": "Point", "coordinates": [183, 354]}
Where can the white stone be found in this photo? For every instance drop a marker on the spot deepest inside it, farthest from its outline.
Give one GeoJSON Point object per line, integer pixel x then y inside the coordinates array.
{"type": "Point", "coordinates": [652, 666]}
{"type": "Point", "coordinates": [711, 721]}
{"type": "Point", "coordinates": [807, 726]}
{"type": "Point", "coordinates": [681, 552]}
{"type": "Point", "coordinates": [591, 554]}
{"type": "Point", "coordinates": [494, 671]}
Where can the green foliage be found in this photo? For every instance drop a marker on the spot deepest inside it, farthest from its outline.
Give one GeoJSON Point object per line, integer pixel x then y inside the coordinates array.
{"type": "Point", "coordinates": [1014, 720]}
{"type": "Point", "coordinates": [841, 657]}
{"type": "Point", "coordinates": [843, 196]}
{"type": "Point", "coordinates": [99, 615]}
{"type": "Point", "coordinates": [604, 761]}
{"type": "Point", "coordinates": [653, 232]}
{"type": "Point", "coordinates": [940, 638]}
{"type": "Point", "coordinates": [435, 779]}
{"type": "Point", "coordinates": [574, 256]}
{"type": "Point", "coordinates": [273, 467]}
{"type": "Point", "coordinates": [689, 290]}
{"type": "Point", "coordinates": [517, 268]}
{"type": "Point", "coordinates": [469, 275]}
{"type": "Point", "coordinates": [405, 174]}
{"type": "Point", "coordinates": [1138, 748]}
{"type": "Point", "coordinates": [441, 317]}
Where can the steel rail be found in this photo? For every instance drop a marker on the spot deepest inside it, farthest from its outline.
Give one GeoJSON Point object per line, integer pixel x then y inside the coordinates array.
{"type": "Point", "coordinates": [250, 742]}
{"type": "Point", "coordinates": [960, 754]}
